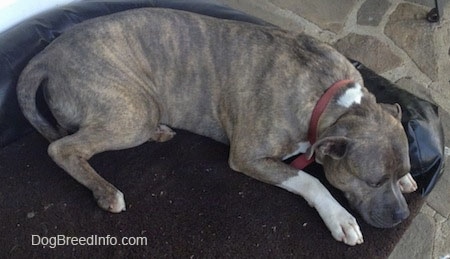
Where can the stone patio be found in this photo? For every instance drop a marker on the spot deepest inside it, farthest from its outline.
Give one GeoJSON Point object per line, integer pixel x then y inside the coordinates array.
{"type": "Point", "coordinates": [393, 38]}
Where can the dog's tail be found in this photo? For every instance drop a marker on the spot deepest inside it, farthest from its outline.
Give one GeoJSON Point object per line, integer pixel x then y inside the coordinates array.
{"type": "Point", "coordinates": [34, 76]}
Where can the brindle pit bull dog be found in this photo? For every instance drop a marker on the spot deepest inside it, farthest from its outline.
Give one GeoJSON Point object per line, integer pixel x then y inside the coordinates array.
{"type": "Point", "coordinates": [118, 81]}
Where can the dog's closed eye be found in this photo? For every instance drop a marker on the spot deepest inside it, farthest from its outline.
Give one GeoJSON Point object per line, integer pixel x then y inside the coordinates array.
{"type": "Point", "coordinates": [379, 183]}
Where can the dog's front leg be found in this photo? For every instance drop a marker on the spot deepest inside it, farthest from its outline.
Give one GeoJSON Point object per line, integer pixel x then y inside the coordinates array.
{"type": "Point", "coordinates": [407, 184]}
{"type": "Point", "coordinates": [340, 222]}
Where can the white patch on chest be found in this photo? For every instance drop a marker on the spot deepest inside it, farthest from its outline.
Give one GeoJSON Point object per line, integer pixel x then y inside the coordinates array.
{"type": "Point", "coordinates": [351, 96]}
{"type": "Point", "coordinates": [301, 148]}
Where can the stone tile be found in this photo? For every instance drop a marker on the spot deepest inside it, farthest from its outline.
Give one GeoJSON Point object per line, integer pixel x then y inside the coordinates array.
{"type": "Point", "coordinates": [372, 11]}
{"type": "Point", "coordinates": [408, 28]}
{"type": "Point", "coordinates": [440, 92]}
{"type": "Point", "coordinates": [416, 241]}
{"type": "Point", "coordinates": [264, 10]}
{"type": "Point", "coordinates": [428, 211]}
{"type": "Point", "coordinates": [441, 246]}
{"type": "Point", "coordinates": [328, 15]}
{"type": "Point", "coordinates": [445, 119]}
{"type": "Point", "coordinates": [439, 197]}
{"type": "Point", "coordinates": [372, 52]}
{"type": "Point", "coordinates": [429, 3]}
{"type": "Point", "coordinates": [410, 85]}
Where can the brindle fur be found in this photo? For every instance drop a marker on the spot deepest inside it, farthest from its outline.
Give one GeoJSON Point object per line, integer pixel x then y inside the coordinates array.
{"type": "Point", "coordinates": [116, 81]}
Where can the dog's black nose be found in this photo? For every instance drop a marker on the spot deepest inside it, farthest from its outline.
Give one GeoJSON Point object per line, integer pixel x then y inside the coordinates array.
{"type": "Point", "coordinates": [400, 215]}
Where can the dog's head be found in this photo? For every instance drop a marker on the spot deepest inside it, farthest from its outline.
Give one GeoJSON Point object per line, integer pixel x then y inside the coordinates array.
{"type": "Point", "coordinates": [364, 154]}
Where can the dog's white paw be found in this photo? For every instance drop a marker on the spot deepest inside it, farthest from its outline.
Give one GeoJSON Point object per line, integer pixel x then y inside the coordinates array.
{"type": "Point", "coordinates": [407, 184]}
{"type": "Point", "coordinates": [340, 222]}
{"type": "Point", "coordinates": [162, 133]}
{"type": "Point", "coordinates": [344, 228]}
{"type": "Point", "coordinates": [114, 202]}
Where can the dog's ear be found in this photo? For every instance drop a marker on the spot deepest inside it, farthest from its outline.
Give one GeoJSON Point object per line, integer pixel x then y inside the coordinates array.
{"type": "Point", "coordinates": [393, 109]}
{"type": "Point", "coordinates": [334, 147]}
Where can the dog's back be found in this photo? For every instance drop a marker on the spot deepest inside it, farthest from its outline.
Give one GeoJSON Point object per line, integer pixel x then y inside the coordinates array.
{"type": "Point", "coordinates": [138, 54]}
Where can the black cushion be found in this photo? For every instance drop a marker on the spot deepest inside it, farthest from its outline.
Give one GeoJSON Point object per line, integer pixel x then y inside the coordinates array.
{"type": "Point", "coordinates": [19, 44]}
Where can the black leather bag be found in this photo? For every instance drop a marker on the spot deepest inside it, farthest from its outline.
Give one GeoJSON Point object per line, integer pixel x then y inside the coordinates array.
{"type": "Point", "coordinates": [422, 125]}
{"type": "Point", "coordinates": [20, 43]}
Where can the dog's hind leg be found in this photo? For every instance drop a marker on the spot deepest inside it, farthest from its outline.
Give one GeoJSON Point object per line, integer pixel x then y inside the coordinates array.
{"type": "Point", "coordinates": [162, 133]}
{"type": "Point", "coordinates": [72, 153]}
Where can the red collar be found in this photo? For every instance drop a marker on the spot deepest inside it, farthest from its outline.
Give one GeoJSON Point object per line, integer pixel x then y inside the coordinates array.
{"type": "Point", "coordinates": [302, 161]}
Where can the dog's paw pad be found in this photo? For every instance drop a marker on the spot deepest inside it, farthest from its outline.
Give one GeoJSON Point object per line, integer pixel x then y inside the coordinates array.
{"type": "Point", "coordinates": [407, 184]}
{"type": "Point", "coordinates": [114, 203]}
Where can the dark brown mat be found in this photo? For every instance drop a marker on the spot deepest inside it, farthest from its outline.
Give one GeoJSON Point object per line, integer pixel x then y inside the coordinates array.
{"type": "Point", "coordinates": [181, 195]}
